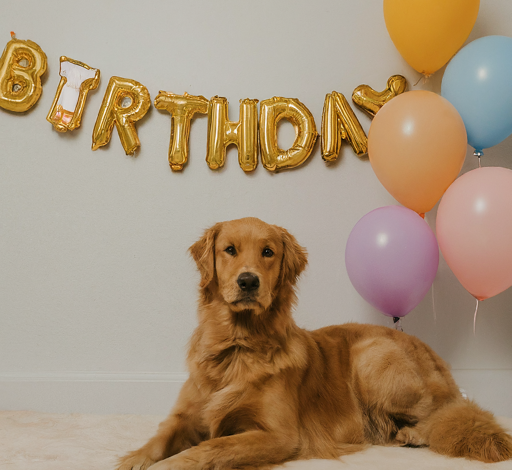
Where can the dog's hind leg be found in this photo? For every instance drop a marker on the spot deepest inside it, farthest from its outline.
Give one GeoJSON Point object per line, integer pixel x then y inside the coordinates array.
{"type": "Point", "coordinates": [411, 436]}
{"type": "Point", "coordinates": [391, 391]}
{"type": "Point", "coordinates": [180, 431]}
{"type": "Point", "coordinates": [462, 429]}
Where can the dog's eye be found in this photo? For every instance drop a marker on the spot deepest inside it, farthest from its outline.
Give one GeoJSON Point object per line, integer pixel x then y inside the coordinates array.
{"type": "Point", "coordinates": [267, 253]}
{"type": "Point", "coordinates": [230, 250]}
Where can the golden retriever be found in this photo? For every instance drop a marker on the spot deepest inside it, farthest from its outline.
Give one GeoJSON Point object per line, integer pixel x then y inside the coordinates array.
{"type": "Point", "coordinates": [263, 391]}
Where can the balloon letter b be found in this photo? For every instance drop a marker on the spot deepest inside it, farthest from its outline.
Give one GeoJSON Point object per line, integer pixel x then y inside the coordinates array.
{"type": "Point", "coordinates": [21, 67]}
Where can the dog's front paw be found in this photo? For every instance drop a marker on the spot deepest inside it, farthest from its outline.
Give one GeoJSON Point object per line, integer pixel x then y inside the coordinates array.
{"type": "Point", "coordinates": [186, 460]}
{"type": "Point", "coordinates": [135, 461]}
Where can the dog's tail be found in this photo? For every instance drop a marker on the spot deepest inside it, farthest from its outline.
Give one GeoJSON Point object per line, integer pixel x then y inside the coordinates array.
{"type": "Point", "coordinates": [462, 429]}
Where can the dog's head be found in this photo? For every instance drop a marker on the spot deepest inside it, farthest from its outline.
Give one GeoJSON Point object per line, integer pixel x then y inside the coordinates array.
{"type": "Point", "coordinates": [248, 261]}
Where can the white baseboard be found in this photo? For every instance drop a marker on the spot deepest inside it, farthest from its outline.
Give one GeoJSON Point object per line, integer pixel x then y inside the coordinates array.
{"type": "Point", "coordinates": [155, 393]}
{"type": "Point", "coordinates": [91, 392]}
{"type": "Point", "coordinates": [490, 388]}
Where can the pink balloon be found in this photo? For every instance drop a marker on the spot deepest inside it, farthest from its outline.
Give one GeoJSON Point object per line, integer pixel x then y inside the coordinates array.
{"type": "Point", "coordinates": [474, 230]}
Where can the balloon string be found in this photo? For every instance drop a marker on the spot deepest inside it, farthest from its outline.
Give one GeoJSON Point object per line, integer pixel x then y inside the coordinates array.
{"type": "Point", "coordinates": [424, 78]}
{"type": "Point", "coordinates": [398, 323]}
{"type": "Point", "coordinates": [474, 318]}
{"type": "Point", "coordinates": [432, 289]}
{"type": "Point", "coordinates": [434, 305]}
{"type": "Point", "coordinates": [419, 80]}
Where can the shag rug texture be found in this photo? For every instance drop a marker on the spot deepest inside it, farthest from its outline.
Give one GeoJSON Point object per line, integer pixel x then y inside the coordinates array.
{"type": "Point", "coordinates": [42, 441]}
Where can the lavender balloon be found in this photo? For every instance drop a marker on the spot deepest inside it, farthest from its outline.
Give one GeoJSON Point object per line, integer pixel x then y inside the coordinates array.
{"type": "Point", "coordinates": [392, 258]}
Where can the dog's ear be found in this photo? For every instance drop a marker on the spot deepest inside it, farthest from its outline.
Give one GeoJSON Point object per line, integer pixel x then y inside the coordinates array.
{"type": "Point", "coordinates": [295, 258]}
{"type": "Point", "coordinates": [203, 252]}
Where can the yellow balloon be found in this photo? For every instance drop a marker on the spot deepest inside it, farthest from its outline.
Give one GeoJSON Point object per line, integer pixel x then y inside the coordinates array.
{"type": "Point", "coordinates": [21, 66]}
{"type": "Point", "coordinates": [114, 110]}
{"type": "Point", "coordinates": [271, 112]}
{"type": "Point", "coordinates": [428, 33]}
{"type": "Point", "coordinates": [76, 80]}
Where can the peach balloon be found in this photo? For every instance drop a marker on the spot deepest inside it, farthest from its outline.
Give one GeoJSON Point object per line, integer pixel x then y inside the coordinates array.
{"type": "Point", "coordinates": [474, 230]}
{"type": "Point", "coordinates": [417, 144]}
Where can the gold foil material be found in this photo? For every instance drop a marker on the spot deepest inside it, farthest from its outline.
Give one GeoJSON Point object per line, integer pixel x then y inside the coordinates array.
{"type": "Point", "coordinates": [76, 80]}
{"type": "Point", "coordinates": [113, 112]}
{"type": "Point", "coordinates": [222, 132]}
{"type": "Point", "coordinates": [21, 66]}
{"type": "Point", "coordinates": [340, 123]}
{"type": "Point", "coordinates": [371, 101]}
{"type": "Point", "coordinates": [182, 109]}
{"type": "Point", "coordinates": [271, 112]}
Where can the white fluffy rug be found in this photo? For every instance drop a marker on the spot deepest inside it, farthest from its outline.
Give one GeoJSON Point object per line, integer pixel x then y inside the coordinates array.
{"type": "Point", "coordinates": [41, 441]}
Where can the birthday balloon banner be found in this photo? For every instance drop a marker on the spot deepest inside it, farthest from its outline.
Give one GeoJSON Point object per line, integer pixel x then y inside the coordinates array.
{"type": "Point", "coordinates": [126, 101]}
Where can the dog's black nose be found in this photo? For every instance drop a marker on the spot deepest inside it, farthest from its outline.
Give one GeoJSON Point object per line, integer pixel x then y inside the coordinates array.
{"type": "Point", "coordinates": [248, 282]}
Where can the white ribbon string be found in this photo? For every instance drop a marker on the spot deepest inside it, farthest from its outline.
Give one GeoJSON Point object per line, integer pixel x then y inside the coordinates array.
{"type": "Point", "coordinates": [474, 318]}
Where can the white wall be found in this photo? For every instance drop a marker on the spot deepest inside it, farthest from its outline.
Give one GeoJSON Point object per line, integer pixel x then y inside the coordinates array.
{"type": "Point", "coordinates": [97, 291]}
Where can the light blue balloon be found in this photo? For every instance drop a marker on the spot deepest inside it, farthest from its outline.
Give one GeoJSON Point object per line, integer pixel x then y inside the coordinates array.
{"type": "Point", "coordinates": [478, 82]}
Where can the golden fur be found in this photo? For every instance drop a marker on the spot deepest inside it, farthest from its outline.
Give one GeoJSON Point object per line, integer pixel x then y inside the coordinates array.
{"type": "Point", "coordinates": [263, 391]}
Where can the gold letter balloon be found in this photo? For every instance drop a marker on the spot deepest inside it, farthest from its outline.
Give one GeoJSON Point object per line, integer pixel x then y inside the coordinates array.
{"type": "Point", "coordinates": [271, 112]}
{"type": "Point", "coordinates": [182, 108]}
{"type": "Point", "coordinates": [340, 123]}
{"type": "Point", "coordinates": [371, 101]}
{"type": "Point", "coordinates": [76, 80]}
{"type": "Point", "coordinates": [125, 102]}
{"type": "Point", "coordinates": [21, 66]}
{"type": "Point", "coordinates": [222, 132]}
